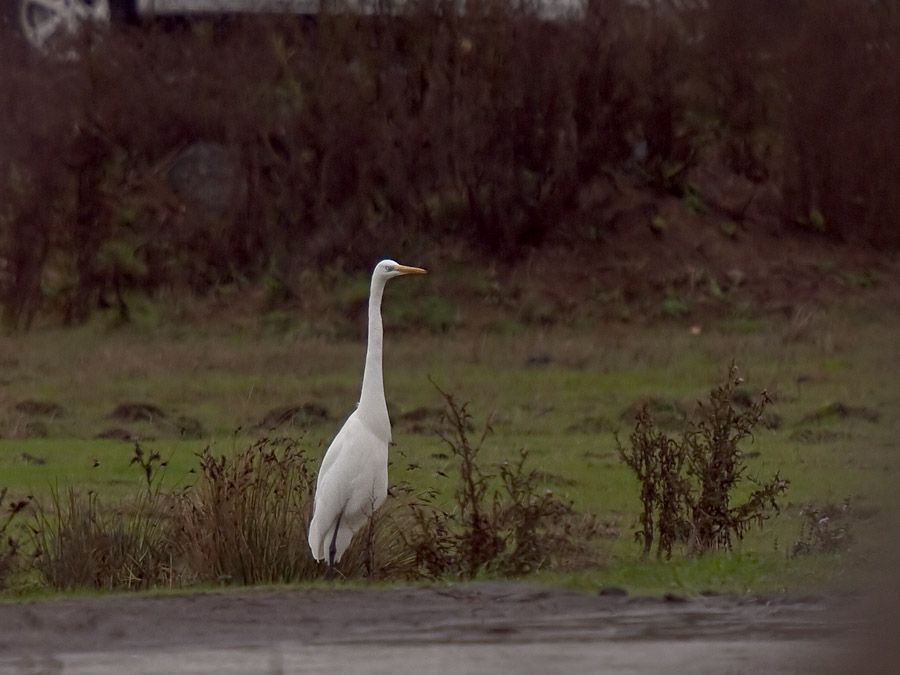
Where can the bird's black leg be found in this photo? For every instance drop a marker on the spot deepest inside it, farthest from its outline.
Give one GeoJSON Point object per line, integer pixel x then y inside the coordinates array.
{"type": "Point", "coordinates": [332, 550]}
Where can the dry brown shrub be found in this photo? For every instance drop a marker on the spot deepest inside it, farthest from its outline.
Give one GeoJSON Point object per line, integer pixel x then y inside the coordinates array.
{"type": "Point", "coordinates": [688, 484]}
{"type": "Point", "coordinates": [506, 523]}
{"type": "Point", "coordinates": [10, 556]}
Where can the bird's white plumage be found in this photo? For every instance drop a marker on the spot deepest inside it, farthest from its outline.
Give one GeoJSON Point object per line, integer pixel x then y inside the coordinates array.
{"type": "Point", "coordinates": [353, 478]}
{"type": "Point", "coordinates": [352, 481]}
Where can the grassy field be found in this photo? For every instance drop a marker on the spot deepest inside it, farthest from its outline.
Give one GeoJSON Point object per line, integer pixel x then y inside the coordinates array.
{"type": "Point", "coordinates": [560, 393]}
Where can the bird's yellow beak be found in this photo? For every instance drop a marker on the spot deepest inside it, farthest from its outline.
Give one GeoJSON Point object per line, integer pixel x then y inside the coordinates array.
{"type": "Point", "coordinates": [404, 269]}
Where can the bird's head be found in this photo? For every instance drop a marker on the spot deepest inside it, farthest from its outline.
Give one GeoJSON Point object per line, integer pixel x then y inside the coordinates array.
{"type": "Point", "coordinates": [391, 268]}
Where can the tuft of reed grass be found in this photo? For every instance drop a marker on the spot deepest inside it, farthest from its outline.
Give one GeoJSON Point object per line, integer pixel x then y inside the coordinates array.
{"type": "Point", "coordinates": [245, 519]}
{"type": "Point", "coordinates": [81, 543]}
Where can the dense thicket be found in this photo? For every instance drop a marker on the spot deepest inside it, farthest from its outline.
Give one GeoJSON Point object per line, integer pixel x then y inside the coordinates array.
{"type": "Point", "coordinates": [188, 154]}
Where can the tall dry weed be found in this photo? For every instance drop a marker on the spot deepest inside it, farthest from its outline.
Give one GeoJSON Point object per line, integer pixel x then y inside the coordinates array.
{"type": "Point", "coordinates": [503, 523]}
{"type": "Point", "coordinates": [688, 485]}
{"type": "Point", "coordinates": [10, 547]}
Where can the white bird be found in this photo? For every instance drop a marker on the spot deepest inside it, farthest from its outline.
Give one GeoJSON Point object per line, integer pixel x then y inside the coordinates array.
{"type": "Point", "coordinates": [353, 478]}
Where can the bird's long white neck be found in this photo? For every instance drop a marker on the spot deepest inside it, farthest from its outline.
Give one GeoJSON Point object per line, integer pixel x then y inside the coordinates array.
{"type": "Point", "coordinates": [372, 405]}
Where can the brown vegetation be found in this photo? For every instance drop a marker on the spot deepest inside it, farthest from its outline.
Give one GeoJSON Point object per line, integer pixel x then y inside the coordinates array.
{"type": "Point", "coordinates": [501, 523]}
{"type": "Point", "coordinates": [688, 485]}
{"type": "Point", "coordinates": [244, 521]}
{"type": "Point", "coordinates": [206, 153]}
{"type": "Point", "coordinates": [9, 544]}
{"type": "Point", "coordinates": [81, 542]}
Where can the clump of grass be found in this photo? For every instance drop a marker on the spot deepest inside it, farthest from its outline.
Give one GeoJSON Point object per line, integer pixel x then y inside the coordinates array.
{"type": "Point", "coordinates": [245, 519]}
{"type": "Point", "coordinates": [380, 550]}
{"type": "Point", "coordinates": [823, 529]}
{"type": "Point", "coordinates": [81, 543]}
{"type": "Point", "coordinates": [502, 523]}
{"type": "Point", "coordinates": [10, 547]}
{"type": "Point", "coordinates": [688, 484]}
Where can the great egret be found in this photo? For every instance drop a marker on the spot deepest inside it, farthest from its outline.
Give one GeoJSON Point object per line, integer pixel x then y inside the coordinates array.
{"type": "Point", "coordinates": [352, 481]}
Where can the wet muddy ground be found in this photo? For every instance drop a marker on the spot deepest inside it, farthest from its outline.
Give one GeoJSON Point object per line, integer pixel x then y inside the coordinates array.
{"type": "Point", "coordinates": [474, 628]}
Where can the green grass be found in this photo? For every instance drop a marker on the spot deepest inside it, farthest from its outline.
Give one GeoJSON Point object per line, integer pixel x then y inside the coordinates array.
{"type": "Point", "coordinates": [719, 572]}
{"type": "Point", "coordinates": [544, 387]}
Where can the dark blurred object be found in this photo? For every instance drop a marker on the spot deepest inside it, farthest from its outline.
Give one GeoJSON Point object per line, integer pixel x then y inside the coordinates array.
{"type": "Point", "coordinates": [874, 646]}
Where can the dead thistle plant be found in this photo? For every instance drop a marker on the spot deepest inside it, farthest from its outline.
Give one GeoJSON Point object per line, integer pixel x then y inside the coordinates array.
{"type": "Point", "coordinates": [499, 522]}
{"type": "Point", "coordinates": [687, 485]}
{"type": "Point", "coordinates": [9, 549]}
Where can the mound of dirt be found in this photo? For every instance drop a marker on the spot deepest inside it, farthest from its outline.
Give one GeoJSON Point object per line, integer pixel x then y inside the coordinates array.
{"type": "Point", "coordinates": [596, 425]}
{"type": "Point", "coordinates": [39, 408]}
{"type": "Point", "coordinates": [137, 412]}
{"type": "Point", "coordinates": [841, 411]}
{"type": "Point", "coordinates": [419, 420]}
{"type": "Point", "coordinates": [813, 436]}
{"type": "Point", "coordinates": [180, 425]}
{"type": "Point", "coordinates": [188, 427]}
{"type": "Point", "coordinates": [117, 434]}
{"type": "Point", "coordinates": [300, 415]}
